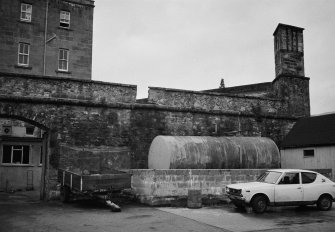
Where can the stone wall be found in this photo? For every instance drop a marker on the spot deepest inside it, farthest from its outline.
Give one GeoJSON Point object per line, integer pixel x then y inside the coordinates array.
{"type": "Point", "coordinates": [147, 123]}
{"type": "Point", "coordinates": [14, 85]}
{"type": "Point", "coordinates": [216, 102]}
{"type": "Point", "coordinates": [294, 90]}
{"type": "Point", "coordinates": [165, 187]}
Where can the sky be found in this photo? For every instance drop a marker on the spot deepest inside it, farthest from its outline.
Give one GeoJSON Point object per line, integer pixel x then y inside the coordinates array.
{"type": "Point", "coordinates": [193, 44]}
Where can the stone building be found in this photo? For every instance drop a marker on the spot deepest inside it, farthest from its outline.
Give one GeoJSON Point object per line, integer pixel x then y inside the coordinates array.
{"type": "Point", "coordinates": [93, 125]}
{"type": "Point", "coordinates": [47, 37]}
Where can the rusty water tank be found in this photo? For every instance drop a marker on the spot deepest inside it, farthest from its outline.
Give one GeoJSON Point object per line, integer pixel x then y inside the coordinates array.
{"type": "Point", "coordinates": [204, 152]}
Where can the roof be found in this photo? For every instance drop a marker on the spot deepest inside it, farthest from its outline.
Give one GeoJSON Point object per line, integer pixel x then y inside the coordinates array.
{"type": "Point", "coordinates": [312, 131]}
{"type": "Point", "coordinates": [290, 170]}
{"type": "Point", "coordinates": [243, 88]}
{"type": "Point", "coordinates": [286, 25]}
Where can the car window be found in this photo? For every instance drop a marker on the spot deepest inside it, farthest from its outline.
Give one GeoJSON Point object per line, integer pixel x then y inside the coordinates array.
{"type": "Point", "coordinates": [290, 178]}
{"type": "Point", "coordinates": [269, 177]}
{"type": "Point", "coordinates": [308, 177]}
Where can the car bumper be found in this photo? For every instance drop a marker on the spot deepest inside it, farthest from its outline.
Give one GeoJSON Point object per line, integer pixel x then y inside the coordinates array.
{"type": "Point", "coordinates": [238, 199]}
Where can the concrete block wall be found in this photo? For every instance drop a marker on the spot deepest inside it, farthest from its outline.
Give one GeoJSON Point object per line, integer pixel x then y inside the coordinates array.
{"type": "Point", "coordinates": [163, 187]}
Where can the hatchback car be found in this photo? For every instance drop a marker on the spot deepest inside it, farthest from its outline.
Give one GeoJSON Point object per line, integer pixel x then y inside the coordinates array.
{"type": "Point", "coordinates": [284, 187]}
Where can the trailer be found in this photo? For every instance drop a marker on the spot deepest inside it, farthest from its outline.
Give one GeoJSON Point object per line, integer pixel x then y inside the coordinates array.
{"type": "Point", "coordinates": [93, 185]}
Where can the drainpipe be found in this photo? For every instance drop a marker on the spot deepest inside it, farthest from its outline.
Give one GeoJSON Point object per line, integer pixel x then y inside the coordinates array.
{"type": "Point", "coordinates": [45, 35]}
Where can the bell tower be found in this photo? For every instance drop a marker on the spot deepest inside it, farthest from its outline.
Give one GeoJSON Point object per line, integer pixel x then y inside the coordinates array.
{"type": "Point", "coordinates": [289, 50]}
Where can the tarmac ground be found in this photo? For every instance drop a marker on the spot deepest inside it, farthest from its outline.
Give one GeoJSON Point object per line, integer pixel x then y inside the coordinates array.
{"type": "Point", "coordinates": [22, 211]}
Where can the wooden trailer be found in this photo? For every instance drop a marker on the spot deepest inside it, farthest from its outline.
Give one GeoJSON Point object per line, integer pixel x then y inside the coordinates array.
{"type": "Point", "coordinates": [94, 185]}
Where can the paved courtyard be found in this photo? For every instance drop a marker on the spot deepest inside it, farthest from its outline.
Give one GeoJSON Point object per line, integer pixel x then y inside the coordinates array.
{"type": "Point", "coordinates": [21, 212]}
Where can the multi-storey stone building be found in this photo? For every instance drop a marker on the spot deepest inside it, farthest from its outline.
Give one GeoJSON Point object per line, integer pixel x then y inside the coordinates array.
{"type": "Point", "coordinates": [93, 125]}
{"type": "Point", "coordinates": [47, 37]}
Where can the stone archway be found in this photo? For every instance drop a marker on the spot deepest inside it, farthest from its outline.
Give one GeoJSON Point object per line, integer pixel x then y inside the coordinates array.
{"type": "Point", "coordinates": [34, 161]}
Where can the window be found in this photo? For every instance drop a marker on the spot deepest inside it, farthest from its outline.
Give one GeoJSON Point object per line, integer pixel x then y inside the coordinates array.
{"type": "Point", "coordinates": [290, 178]}
{"type": "Point", "coordinates": [26, 11]}
{"type": "Point", "coordinates": [308, 177]}
{"type": "Point", "coordinates": [64, 19]}
{"type": "Point", "coordinates": [30, 130]}
{"type": "Point", "coordinates": [23, 54]}
{"type": "Point", "coordinates": [63, 60]}
{"type": "Point", "coordinates": [308, 153]}
{"type": "Point", "coordinates": [41, 156]}
{"type": "Point", "coordinates": [15, 154]}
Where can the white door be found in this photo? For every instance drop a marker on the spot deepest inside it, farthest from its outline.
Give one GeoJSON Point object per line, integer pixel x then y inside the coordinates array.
{"type": "Point", "coordinates": [289, 189]}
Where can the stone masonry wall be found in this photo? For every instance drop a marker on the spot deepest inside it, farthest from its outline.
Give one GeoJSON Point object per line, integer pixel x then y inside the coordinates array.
{"type": "Point", "coordinates": [164, 187]}
{"type": "Point", "coordinates": [60, 88]}
{"type": "Point", "coordinates": [146, 124]}
{"type": "Point", "coordinates": [295, 91]}
{"type": "Point", "coordinates": [215, 102]}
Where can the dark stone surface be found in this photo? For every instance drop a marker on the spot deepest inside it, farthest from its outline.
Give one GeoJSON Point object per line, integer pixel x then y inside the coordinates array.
{"type": "Point", "coordinates": [77, 39]}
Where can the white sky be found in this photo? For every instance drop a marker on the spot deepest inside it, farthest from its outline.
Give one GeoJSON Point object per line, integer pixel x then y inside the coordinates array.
{"type": "Point", "coordinates": [192, 44]}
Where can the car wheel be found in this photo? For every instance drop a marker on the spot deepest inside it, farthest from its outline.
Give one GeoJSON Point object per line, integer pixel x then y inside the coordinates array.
{"type": "Point", "coordinates": [259, 204]}
{"type": "Point", "coordinates": [324, 203]}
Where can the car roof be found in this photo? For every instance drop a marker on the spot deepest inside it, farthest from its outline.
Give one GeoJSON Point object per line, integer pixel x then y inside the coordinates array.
{"type": "Point", "coordinates": [290, 170]}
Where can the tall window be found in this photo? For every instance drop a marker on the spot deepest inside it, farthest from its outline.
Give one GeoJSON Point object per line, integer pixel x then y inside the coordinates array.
{"type": "Point", "coordinates": [23, 54]}
{"type": "Point", "coordinates": [26, 11]}
{"type": "Point", "coordinates": [64, 20]}
{"type": "Point", "coordinates": [15, 154]}
{"type": "Point", "coordinates": [63, 60]}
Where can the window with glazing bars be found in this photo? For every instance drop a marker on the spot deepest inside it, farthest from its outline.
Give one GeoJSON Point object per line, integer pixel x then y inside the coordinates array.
{"type": "Point", "coordinates": [26, 12]}
{"type": "Point", "coordinates": [23, 54]}
{"type": "Point", "coordinates": [64, 19]}
{"type": "Point", "coordinates": [63, 60]}
{"type": "Point", "coordinates": [15, 154]}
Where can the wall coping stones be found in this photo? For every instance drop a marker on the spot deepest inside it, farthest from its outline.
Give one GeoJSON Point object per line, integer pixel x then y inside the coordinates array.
{"type": "Point", "coordinates": [54, 78]}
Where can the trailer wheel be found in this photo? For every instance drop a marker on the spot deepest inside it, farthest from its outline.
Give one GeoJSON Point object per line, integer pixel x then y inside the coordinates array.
{"type": "Point", "coordinates": [65, 194]}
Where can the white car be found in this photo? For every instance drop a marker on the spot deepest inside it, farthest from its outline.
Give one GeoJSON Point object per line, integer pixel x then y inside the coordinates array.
{"type": "Point", "coordinates": [283, 187]}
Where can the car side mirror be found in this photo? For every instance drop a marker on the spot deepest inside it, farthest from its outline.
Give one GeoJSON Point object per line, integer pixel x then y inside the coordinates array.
{"type": "Point", "coordinates": [323, 180]}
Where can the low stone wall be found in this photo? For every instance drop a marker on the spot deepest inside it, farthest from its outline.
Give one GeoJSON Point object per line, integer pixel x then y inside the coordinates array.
{"type": "Point", "coordinates": [166, 187]}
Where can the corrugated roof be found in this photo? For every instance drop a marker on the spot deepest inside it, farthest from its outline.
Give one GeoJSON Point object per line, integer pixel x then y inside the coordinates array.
{"type": "Point", "coordinates": [313, 131]}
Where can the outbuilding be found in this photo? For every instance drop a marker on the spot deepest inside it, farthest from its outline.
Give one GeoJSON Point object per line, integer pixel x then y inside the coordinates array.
{"type": "Point", "coordinates": [310, 144]}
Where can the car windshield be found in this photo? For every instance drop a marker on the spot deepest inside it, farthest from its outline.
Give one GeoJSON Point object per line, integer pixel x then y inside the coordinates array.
{"type": "Point", "coordinates": [269, 177]}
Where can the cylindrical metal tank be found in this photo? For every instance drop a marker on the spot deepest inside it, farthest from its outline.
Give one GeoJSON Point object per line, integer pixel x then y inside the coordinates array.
{"type": "Point", "coordinates": [204, 152]}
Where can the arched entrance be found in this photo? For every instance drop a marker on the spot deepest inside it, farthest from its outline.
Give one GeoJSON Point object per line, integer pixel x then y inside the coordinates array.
{"type": "Point", "coordinates": [24, 146]}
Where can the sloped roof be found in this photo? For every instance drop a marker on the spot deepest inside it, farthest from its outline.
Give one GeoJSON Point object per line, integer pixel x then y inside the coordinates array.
{"type": "Point", "coordinates": [313, 131]}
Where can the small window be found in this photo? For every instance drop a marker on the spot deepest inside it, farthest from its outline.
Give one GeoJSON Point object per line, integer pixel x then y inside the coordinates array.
{"type": "Point", "coordinates": [63, 60]}
{"type": "Point", "coordinates": [308, 153]}
{"type": "Point", "coordinates": [308, 177]}
{"type": "Point", "coordinates": [26, 11]}
{"type": "Point", "coordinates": [23, 54]}
{"type": "Point", "coordinates": [64, 19]}
{"type": "Point", "coordinates": [30, 130]}
{"type": "Point", "coordinates": [15, 154]}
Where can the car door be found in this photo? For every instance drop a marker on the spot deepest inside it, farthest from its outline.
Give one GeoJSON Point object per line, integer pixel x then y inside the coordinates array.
{"type": "Point", "coordinates": [289, 190]}
{"type": "Point", "coordinates": [312, 188]}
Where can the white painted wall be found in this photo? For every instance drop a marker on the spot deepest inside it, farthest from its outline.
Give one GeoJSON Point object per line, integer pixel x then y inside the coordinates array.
{"type": "Point", "coordinates": [324, 158]}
